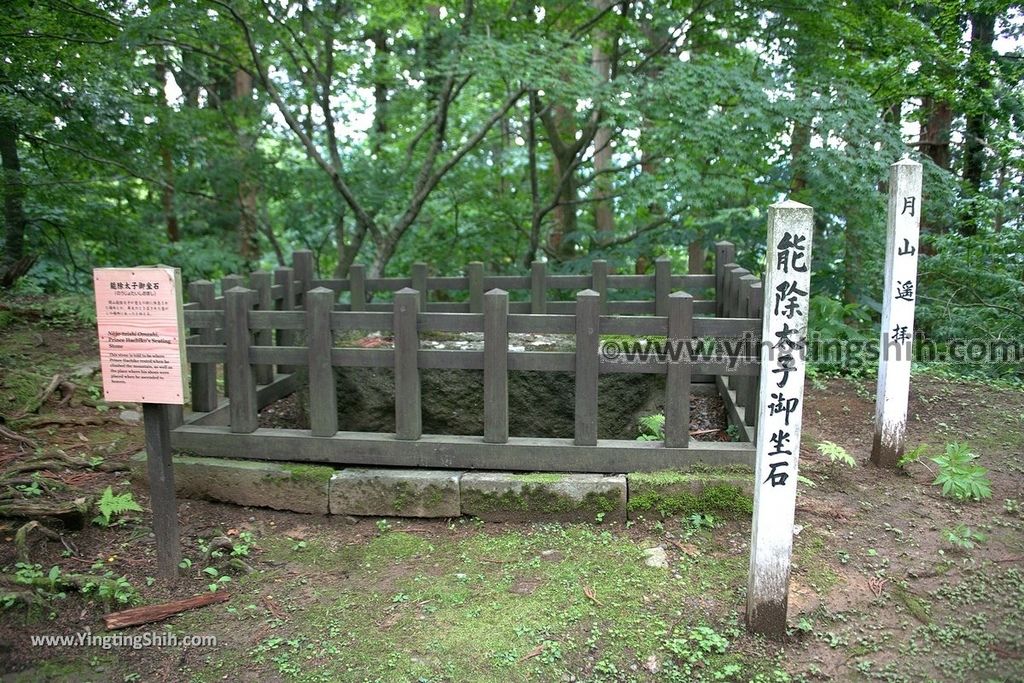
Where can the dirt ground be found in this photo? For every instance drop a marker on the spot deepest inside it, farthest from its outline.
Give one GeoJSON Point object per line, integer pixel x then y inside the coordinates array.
{"type": "Point", "coordinates": [879, 592]}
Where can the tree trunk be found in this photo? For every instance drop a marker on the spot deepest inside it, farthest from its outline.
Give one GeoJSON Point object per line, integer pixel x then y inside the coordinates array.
{"type": "Point", "coordinates": [696, 256]}
{"type": "Point", "coordinates": [604, 217]}
{"type": "Point", "coordinates": [15, 261]}
{"type": "Point", "coordinates": [166, 160]}
{"type": "Point", "coordinates": [935, 131]}
{"type": "Point", "coordinates": [982, 35]}
{"type": "Point", "coordinates": [248, 190]}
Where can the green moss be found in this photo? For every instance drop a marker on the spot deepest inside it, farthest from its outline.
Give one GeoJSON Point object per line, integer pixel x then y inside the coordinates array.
{"type": "Point", "coordinates": [539, 477]}
{"type": "Point", "coordinates": [672, 502]}
{"type": "Point", "coordinates": [317, 474]}
{"type": "Point", "coordinates": [540, 500]}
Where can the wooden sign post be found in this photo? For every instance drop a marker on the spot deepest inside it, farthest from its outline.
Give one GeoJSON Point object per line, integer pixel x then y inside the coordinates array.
{"type": "Point", "coordinates": [140, 322]}
{"type": "Point", "coordinates": [780, 413]}
{"type": "Point", "coordinates": [898, 299]}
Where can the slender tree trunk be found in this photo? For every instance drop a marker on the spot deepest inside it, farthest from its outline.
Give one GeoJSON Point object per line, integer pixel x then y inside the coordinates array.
{"type": "Point", "coordinates": [15, 262]}
{"type": "Point", "coordinates": [604, 216]}
{"type": "Point", "coordinates": [982, 36]}
{"type": "Point", "coordinates": [248, 187]}
{"type": "Point", "coordinates": [166, 160]}
{"type": "Point", "coordinates": [561, 239]}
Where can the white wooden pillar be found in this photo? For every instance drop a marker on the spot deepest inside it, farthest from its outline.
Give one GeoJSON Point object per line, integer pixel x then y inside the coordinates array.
{"type": "Point", "coordinates": [780, 411]}
{"type": "Point", "coordinates": [898, 300]}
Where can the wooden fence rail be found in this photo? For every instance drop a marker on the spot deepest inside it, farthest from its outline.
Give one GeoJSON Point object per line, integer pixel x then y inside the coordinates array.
{"type": "Point", "coordinates": [288, 319]}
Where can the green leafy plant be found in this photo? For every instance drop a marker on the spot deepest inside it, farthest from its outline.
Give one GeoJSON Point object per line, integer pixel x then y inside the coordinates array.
{"type": "Point", "coordinates": [836, 454]}
{"type": "Point", "coordinates": [963, 537]}
{"type": "Point", "coordinates": [913, 455]}
{"type": "Point", "coordinates": [218, 579]}
{"type": "Point", "coordinates": [111, 505]}
{"type": "Point", "coordinates": [652, 428]}
{"type": "Point", "coordinates": [959, 476]}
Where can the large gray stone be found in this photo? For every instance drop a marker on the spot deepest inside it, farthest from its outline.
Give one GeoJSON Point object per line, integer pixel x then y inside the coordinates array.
{"type": "Point", "coordinates": [541, 497]}
{"type": "Point", "coordinates": [541, 404]}
{"type": "Point", "coordinates": [396, 493]}
{"type": "Point", "coordinates": [280, 486]}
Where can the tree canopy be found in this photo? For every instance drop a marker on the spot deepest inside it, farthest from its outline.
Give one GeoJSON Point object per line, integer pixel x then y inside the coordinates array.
{"type": "Point", "coordinates": [220, 134]}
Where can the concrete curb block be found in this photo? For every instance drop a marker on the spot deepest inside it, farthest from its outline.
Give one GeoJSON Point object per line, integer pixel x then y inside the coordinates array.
{"type": "Point", "coordinates": [280, 486]}
{"type": "Point", "coordinates": [670, 493]}
{"type": "Point", "coordinates": [396, 493]}
{"type": "Point", "coordinates": [543, 497]}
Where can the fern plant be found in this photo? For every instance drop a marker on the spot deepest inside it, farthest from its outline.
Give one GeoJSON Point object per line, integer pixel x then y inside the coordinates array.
{"type": "Point", "coordinates": [110, 505]}
{"type": "Point", "coordinates": [836, 454]}
{"type": "Point", "coordinates": [652, 428]}
{"type": "Point", "coordinates": [959, 476]}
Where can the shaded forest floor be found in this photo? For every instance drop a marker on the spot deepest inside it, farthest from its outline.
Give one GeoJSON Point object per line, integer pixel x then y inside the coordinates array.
{"type": "Point", "coordinates": [878, 591]}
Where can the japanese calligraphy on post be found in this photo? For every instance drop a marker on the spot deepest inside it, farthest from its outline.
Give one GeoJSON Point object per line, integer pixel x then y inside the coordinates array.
{"type": "Point", "coordinates": [141, 332]}
{"type": "Point", "coordinates": [784, 340]}
{"type": "Point", "coordinates": [899, 296]}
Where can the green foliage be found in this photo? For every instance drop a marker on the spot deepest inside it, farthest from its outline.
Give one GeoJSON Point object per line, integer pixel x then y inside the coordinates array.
{"type": "Point", "coordinates": [652, 428]}
{"type": "Point", "coordinates": [111, 505]}
{"type": "Point", "coordinates": [836, 454]}
{"type": "Point", "coordinates": [959, 476]}
{"type": "Point", "coordinates": [963, 537]}
{"type": "Point", "coordinates": [913, 455]}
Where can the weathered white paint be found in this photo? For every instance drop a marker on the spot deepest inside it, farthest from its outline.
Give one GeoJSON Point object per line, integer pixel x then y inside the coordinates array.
{"type": "Point", "coordinates": [898, 299]}
{"type": "Point", "coordinates": [775, 496]}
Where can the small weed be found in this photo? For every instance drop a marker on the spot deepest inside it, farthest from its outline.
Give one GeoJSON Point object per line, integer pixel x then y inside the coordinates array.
{"type": "Point", "coordinates": [836, 454]}
{"type": "Point", "coordinates": [963, 537]}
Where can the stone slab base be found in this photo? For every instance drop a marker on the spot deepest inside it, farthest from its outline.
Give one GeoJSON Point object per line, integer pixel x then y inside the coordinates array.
{"type": "Point", "coordinates": [670, 493]}
{"type": "Point", "coordinates": [280, 486]}
{"type": "Point", "coordinates": [491, 496]}
{"type": "Point", "coordinates": [505, 497]}
{"type": "Point", "coordinates": [396, 493]}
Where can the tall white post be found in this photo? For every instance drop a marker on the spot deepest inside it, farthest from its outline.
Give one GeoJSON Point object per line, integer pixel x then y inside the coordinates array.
{"type": "Point", "coordinates": [898, 299]}
{"type": "Point", "coordinates": [780, 413]}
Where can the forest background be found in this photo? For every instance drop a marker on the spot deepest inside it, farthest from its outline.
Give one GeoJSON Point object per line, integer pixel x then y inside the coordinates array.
{"type": "Point", "coordinates": [218, 136]}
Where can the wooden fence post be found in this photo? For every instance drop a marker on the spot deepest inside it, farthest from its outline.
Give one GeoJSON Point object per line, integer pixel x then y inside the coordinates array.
{"type": "Point", "coordinates": [242, 406]}
{"type": "Point", "coordinates": [725, 253]}
{"type": "Point", "coordinates": [662, 284]}
{"type": "Point", "coordinates": [227, 283]}
{"type": "Point", "coordinates": [754, 304]}
{"type": "Point", "coordinates": [599, 281]}
{"type": "Point", "coordinates": [419, 283]}
{"type": "Point", "coordinates": [204, 375]}
{"type": "Point", "coordinates": [588, 346]}
{"type": "Point", "coordinates": [408, 413]}
{"type": "Point", "coordinates": [323, 406]}
{"type": "Point", "coordinates": [898, 300]}
{"type": "Point", "coordinates": [780, 414]}
{"type": "Point", "coordinates": [260, 281]}
{"type": "Point", "coordinates": [285, 277]}
{"type": "Point", "coordinates": [496, 366]}
{"type": "Point", "coordinates": [357, 287]}
{"type": "Point", "coordinates": [160, 467]}
{"type": "Point", "coordinates": [538, 287]}
{"type": "Point", "coordinates": [677, 381]}
{"type": "Point", "coordinates": [475, 274]}
{"type": "Point", "coordinates": [302, 263]}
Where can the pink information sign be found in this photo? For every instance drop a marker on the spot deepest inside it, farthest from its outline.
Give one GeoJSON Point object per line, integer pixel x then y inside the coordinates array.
{"type": "Point", "coordinates": [141, 331]}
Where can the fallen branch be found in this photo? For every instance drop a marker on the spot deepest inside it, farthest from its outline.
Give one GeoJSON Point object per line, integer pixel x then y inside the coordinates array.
{"type": "Point", "coordinates": [150, 613]}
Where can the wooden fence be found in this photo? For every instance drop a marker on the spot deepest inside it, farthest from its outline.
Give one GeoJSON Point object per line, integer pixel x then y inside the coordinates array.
{"type": "Point", "coordinates": [287, 319]}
